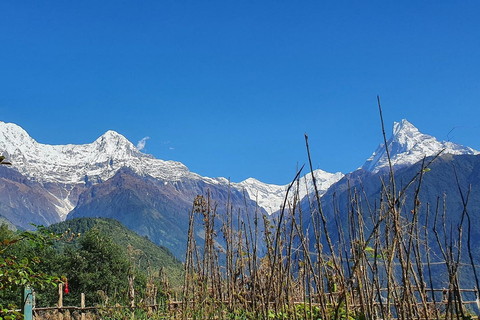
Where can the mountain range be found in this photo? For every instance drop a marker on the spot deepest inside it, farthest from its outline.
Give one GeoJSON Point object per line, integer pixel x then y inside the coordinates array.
{"type": "Point", "coordinates": [111, 178]}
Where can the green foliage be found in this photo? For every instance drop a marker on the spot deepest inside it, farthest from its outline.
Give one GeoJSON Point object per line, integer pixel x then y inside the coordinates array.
{"type": "Point", "coordinates": [98, 265]}
{"type": "Point", "coordinates": [21, 264]}
{"type": "Point", "coordinates": [127, 314]}
{"type": "Point", "coordinates": [96, 259]}
{"type": "Point", "coordinates": [153, 258]}
{"type": "Point", "coordinates": [305, 311]}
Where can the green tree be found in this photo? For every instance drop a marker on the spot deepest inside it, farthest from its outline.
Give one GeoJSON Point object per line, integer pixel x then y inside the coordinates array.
{"type": "Point", "coordinates": [99, 265]}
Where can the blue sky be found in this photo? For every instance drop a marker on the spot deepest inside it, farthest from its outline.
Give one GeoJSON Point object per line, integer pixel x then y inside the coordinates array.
{"type": "Point", "coordinates": [230, 87]}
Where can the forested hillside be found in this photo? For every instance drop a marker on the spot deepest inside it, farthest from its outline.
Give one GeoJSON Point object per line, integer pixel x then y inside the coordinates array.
{"type": "Point", "coordinates": [97, 257]}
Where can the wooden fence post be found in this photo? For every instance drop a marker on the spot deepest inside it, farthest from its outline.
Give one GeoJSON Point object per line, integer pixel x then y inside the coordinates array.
{"type": "Point", "coordinates": [477, 299]}
{"type": "Point", "coordinates": [27, 308]}
{"type": "Point", "coordinates": [60, 301]}
{"type": "Point", "coordinates": [82, 305]}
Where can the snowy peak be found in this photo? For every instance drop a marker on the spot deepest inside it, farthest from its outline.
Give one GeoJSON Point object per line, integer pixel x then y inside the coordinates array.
{"type": "Point", "coordinates": [408, 146]}
{"type": "Point", "coordinates": [14, 141]}
{"type": "Point", "coordinates": [323, 181]}
{"type": "Point", "coordinates": [115, 145]}
{"type": "Point", "coordinates": [271, 197]}
{"type": "Point", "coordinates": [113, 140]}
{"type": "Point", "coordinates": [404, 126]}
{"type": "Point", "coordinates": [70, 163]}
{"type": "Point", "coordinates": [13, 137]}
{"type": "Point", "coordinates": [268, 196]}
{"type": "Point", "coordinates": [404, 131]}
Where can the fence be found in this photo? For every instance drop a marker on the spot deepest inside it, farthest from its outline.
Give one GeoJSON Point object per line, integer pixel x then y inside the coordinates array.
{"type": "Point", "coordinates": [31, 312]}
{"type": "Point", "coordinates": [440, 299]}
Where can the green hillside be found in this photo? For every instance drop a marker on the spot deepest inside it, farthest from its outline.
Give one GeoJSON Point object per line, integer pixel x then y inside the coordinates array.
{"type": "Point", "coordinates": [147, 252]}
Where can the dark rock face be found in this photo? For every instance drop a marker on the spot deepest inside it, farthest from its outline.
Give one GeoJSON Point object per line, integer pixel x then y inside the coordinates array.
{"type": "Point", "coordinates": [23, 201]}
{"type": "Point", "coordinates": [154, 208]}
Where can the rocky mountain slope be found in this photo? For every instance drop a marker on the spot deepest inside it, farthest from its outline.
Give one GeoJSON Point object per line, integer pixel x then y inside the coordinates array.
{"type": "Point", "coordinates": [157, 209]}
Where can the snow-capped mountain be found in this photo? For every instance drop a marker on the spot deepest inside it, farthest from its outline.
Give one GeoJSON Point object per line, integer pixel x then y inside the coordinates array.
{"type": "Point", "coordinates": [268, 196]}
{"type": "Point", "coordinates": [98, 161]}
{"type": "Point", "coordinates": [323, 180]}
{"type": "Point", "coordinates": [407, 146]}
{"type": "Point", "coordinates": [271, 197]}
{"type": "Point", "coordinates": [65, 170]}
{"type": "Point", "coordinates": [65, 167]}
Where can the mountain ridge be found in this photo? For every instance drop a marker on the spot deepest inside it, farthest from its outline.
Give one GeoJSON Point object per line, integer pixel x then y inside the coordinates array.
{"type": "Point", "coordinates": [67, 169]}
{"type": "Point", "coordinates": [95, 162]}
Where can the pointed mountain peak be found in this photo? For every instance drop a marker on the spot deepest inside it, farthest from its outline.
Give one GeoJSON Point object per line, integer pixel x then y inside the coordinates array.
{"type": "Point", "coordinates": [271, 197]}
{"type": "Point", "coordinates": [12, 132]}
{"type": "Point", "coordinates": [404, 128]}
{"type": "Point", "coordinates": [72, 163]}
{"type": "Point", "coordinates": [111, 137]}
{"type": "Point", "coordinates": [408, 145]}
{"type": "Point", "coordinates": [113, 134]}
{"type": "Point", "coordinates": [116, 145]}
{"type": "Point", "coordinates": [407, 135]}
{"type": "Point", "coordinates": [14, 140]}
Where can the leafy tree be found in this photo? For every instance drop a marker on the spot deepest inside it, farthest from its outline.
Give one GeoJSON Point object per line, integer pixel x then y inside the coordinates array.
{"type": "Point", "coordinates": [98, 268]}
{"type": "Point", "coordinates": [152, 259]}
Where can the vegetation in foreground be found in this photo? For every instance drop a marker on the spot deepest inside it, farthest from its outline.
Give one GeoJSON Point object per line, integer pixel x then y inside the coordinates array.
{"type": "Point", "coordinates": [378, 262]}
{"type": "Point", "coordinates": [110, 264]}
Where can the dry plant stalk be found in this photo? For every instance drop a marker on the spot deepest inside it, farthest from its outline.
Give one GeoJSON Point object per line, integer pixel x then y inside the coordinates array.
{"type": "Point", "coordinates": [375, 263]}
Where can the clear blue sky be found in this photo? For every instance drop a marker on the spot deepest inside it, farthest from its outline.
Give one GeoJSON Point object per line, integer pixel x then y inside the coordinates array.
{"type": "Point", "coordinates": [230, 87]}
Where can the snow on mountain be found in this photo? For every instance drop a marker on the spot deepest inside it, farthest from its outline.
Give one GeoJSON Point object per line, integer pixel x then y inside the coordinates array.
{"type": "Point", "coordinates": [65, 170]}
{"type": "Point", "coordinates": [323, 179]}
{"type": "Point", "coordinates": [271, 197]}
{"type": "Point", "coordinates": [268, 196]}
{"type": "Point", "coordinates": [97, 161]}
{"type": "Point", "coordinates": [67, 165]}
{"type": "Point", "coordinates": [408, 146]}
